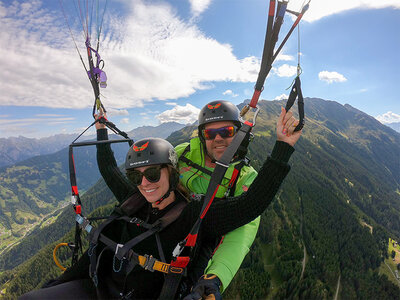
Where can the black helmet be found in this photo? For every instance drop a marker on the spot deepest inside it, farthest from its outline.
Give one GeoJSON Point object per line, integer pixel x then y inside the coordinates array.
{"type": "Point", "coordinates": [219, 110]}
{"type": "Point", "coordinates": [150, 151]}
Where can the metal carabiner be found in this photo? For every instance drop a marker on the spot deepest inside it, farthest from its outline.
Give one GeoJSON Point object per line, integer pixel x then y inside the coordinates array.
{"type": "Point", "coordinates": [245, 109]}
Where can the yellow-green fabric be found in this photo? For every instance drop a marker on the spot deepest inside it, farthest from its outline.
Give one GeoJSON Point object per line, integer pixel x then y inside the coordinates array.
{"type": "Point", "coordinates": [236, 244]}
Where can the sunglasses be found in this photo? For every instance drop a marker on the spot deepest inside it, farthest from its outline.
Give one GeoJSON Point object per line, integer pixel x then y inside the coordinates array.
{"type": "Point", "coordinates": [224, 132]}
{"type": "Point", "coordinates": [152, 174]}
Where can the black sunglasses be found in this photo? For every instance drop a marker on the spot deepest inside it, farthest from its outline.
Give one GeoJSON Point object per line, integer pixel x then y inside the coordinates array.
{"type": "Point", "coordinates": [152, 174]}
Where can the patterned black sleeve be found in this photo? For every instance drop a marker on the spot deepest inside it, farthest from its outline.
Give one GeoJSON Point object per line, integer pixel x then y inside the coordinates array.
{"type": "Point", "coordinates": [112, 175]}
{"type": "Point", "coordinates": [228, 214]}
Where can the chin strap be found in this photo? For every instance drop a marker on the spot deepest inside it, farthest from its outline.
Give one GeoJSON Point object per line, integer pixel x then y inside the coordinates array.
{"type": "Point", "coordinates": [166, 195]}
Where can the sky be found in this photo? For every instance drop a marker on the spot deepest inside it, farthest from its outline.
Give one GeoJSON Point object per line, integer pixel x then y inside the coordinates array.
{"type": "Point", "coordinates": [165, 60]}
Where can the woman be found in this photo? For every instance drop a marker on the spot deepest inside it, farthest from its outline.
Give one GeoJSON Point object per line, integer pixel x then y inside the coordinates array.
{"type": "Point", "coordinates": [150, 166]}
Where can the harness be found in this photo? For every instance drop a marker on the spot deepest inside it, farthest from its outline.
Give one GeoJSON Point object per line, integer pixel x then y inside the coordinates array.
{"type": "Point", "coordinates": [231, 186]}
{"type": "Point", "coordinates": [125, 259]}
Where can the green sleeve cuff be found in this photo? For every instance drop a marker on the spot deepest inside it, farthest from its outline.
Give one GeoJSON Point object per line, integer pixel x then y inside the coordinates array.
{"type": "Point", "coordinates": [282, 151]}
{"type": "Point", "coordinates": [102, 134]}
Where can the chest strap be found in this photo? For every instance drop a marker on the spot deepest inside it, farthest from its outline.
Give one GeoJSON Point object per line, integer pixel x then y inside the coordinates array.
{"type": "Point", "coordinates": [190, 163]}
{"type": "Point", "coordinates": [125, 259]}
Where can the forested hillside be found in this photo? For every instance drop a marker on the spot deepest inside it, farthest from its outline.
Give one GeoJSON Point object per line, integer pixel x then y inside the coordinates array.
{"type": "Point", "coordinates": [325, 234]}
{"type": "Point", "coordinates": [35, 189]}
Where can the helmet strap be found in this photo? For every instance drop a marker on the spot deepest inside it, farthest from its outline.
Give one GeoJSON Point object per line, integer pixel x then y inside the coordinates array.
{"type": "Point", "coordinates": [166, 195]}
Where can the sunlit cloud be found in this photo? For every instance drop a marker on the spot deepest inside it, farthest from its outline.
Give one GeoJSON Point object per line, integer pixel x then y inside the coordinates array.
{"type": "Point", "coordinates": [285, 71]}
{"type": "Point", "coordinates": [331, 77]}
{"type": "Point", "coordinates": [111, 112]}
{"type": "Point", "coordinates": [229, 93]}
{"type": "Point", "coordinates": [181, 114]}
{"type": "Point", "coordinates": [199, 6]}
{"type": "Point", "coordinates": [319, 8]}
{"type": "Point", "coordinates": [282, 97]}
{"type": "Point", "coordinates": [125, 121]}
{"type": "Point", "coordinates": [150, 44]}
{"type": "Point", "coordinates": [389, 117]}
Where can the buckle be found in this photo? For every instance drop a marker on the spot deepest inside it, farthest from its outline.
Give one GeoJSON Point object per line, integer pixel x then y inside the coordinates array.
{"type": "Point", "coordinates": [136, 221]}
{"type": "Point", "coordinates": [149, 264]}
{"type": "Point", "coordinates": [119, 246]}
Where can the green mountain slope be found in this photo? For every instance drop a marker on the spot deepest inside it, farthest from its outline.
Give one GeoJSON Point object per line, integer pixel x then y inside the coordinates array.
{"type": "Point", "coordinates": [326, 232]}
{"type": "Point", "coordinates": [35, 189]}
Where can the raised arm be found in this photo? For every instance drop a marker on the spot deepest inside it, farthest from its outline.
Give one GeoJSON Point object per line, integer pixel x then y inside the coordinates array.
{"type": "Point", "coordinates": [228, 214]}
{"type": "Point", "coordinates": [112, 175]}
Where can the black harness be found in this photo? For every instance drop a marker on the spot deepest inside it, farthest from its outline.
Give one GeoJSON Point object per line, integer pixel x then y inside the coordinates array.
{"type": "Point", "coordinates": [125, 259]}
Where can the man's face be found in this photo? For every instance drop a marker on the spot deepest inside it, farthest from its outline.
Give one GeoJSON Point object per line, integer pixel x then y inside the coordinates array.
{"type": "Point", "coordinates": [217, 146]}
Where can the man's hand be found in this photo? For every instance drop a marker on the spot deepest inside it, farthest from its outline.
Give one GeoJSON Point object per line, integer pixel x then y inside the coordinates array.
{"type": "Point", "coordinates": [206, 288]}
{"type": "Point", "coordinates": [285, 128]}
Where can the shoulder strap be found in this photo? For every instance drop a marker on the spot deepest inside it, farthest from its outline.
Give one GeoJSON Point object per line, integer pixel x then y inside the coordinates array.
{"type": "Point", "coordinates": [190, 163]}
{"type": "Point", "coordinates": [235, 177]}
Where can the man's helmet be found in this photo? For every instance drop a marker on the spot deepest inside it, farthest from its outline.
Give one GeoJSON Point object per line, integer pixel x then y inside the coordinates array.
{"type": "Point", "coordinates": [150, 151]}
{"type": "Point", "coordinates": [216, 111]}
{"type": "Point", "coordinates": [219, 110]}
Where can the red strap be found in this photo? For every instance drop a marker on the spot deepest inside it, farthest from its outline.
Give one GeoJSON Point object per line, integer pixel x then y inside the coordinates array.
{"type": "Point", "coordinates": [209, 203]}
{"type": "Point", "coordinates": [234, 176]}
{"type": "Point", "coordinates": [191, 240]}
{"type": "Point", "coordinates": [74, 190]}
{"type": "Point", "coordinates": [254, 100]}
{"type": "Point", "coordinates": [180, 262]}
{"type": "Point", "coordinates": [78, 209]}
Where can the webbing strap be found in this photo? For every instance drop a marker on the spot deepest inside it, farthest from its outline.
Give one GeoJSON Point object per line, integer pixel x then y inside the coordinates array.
{"type": "Point", "coordinates": [195, 165]}
{"type": "Point", "coordinates": [148, 262]}
{"type": "Point", "coordinates": [296, 93]}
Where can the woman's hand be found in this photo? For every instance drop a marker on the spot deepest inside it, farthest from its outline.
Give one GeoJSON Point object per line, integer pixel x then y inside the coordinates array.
{"type": "Point", "coordinates": [98, 124]}
{"type": "Point", "coordinates": [285, 128]}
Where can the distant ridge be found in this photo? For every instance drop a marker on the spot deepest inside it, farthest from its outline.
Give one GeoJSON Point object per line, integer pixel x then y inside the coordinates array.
{"type": "Point", "coordinates": [16, 149]}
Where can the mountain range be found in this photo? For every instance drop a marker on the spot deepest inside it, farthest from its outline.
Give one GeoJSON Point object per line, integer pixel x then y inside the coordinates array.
{"type": "Point", "coordinates": [16, 149]}
{"type": "Point", "coordinates": [325, 235]}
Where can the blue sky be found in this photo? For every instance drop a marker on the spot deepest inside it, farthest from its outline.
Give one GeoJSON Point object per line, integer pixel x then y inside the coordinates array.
{"type": "Point", "coordinates": [166, 59]}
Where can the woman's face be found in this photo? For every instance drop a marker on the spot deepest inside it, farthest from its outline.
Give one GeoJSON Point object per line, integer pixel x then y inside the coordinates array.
{"type": "Point", "coordinates": [153, 191]}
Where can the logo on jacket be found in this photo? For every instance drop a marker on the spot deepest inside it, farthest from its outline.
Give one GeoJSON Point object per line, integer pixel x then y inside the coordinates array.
{"type": "Point", "coordinates": [141, 148]}
{"type": "Point", "coordinates": [214, 106]}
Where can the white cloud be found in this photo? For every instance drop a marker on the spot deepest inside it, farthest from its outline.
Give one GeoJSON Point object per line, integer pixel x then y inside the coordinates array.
{"type": "Point", "coordinates": [181, 114]}
{"type": "Point", "coordinates": [170, 103]}
{"type": "Point", "coordinates": [199, 6]}
{"type": "Point", "coordinates": [48, 115]}
{"type": "Point", "coordinates": [284, 57]}
{"type": "Point", "coordinates": [31, 121]}
{"type": "Point", "coordinates": [285, 71]}
{"type": "Point", "coordinates": [230, 93]}
{"type": "Point", "coordinates": [150, 45]}
{"type": "Point", "coordinates": [282, 97]}
{"type": "Point", "coordinates": [331, 77]}
{"type": "Point", "coordinates": [322, 8]}
{"type": "Point", "coordinates": [389, 117]}
{"type": "Point", "coordinates": [125, 121]}
{"type": "Point", "coordinates": [111, 112]}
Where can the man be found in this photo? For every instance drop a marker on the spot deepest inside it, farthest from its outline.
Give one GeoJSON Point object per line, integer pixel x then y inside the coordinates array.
{"type": "Point", "coordinates": [218, 124]}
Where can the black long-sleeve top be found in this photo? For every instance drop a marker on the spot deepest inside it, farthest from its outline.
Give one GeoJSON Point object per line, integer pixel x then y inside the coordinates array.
{"type": "Point", "coordinates": [222, 217]}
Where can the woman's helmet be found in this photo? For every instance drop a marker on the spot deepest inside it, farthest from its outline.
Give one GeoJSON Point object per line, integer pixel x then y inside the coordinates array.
{"type": "Point", "coordinates": [150, 151]}
{"type": "Point", "coordinates": [154, 151]}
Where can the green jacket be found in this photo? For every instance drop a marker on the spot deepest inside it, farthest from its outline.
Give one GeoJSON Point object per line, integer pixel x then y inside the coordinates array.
{"type": "Point", "coordinates": [236, 244]}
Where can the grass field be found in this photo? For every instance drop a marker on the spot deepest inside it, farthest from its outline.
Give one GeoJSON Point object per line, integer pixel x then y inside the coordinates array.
{"type": "Point", "coordinates": [276, 280]}
{"type": "Point", "coordinates": [390, 263]}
